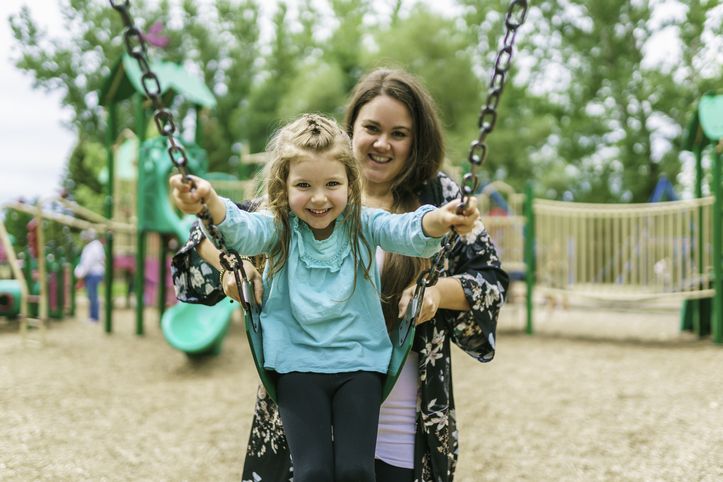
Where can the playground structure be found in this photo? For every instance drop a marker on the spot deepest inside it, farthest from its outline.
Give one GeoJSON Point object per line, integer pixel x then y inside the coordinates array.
{"type": "Point", "coordinates": [624, 253]}
{"type": "Point", "coordinates": [42, 284]}
{"type": "Point", "coordinates": [139, 221]}
{"type": "Point", "coordinates": [142, 198]}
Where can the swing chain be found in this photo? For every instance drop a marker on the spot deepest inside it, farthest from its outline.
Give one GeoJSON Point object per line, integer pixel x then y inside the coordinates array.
{"type": "Point", "coordinates": [515, 17]}
{"type": "Point", "coordinates": [488, 113]}
{"type": "Point", "coordinates": [136, 48]}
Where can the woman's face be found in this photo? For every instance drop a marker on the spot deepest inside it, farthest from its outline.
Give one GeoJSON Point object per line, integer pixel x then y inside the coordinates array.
{"type": "Point", "coordinates": [382, 140]}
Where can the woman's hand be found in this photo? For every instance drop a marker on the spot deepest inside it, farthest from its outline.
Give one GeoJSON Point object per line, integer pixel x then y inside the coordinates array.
{"type": "Point", "coordinates": [430, 303]}
{"type": "Point", "coordinates": [252, 274]}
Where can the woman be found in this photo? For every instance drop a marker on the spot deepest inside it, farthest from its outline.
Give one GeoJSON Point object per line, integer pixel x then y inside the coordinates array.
{"type": "Point", "coordinates": [397, 140]}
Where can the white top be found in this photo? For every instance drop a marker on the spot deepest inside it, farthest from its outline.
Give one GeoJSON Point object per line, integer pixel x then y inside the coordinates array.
{"type": "Point", "coordinates": [398, 417]}
{"type": "Point", "coordinates": [398, 414]}
{"type": "Point", "coordinates": [92, 260]}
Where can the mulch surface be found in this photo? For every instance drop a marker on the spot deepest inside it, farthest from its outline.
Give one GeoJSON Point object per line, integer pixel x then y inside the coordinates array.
{"type": "Point", "coordinates": [592, 395]}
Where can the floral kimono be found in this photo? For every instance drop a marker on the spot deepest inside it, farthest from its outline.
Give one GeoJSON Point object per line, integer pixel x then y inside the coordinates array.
{"type": "Point", "coordinates": [475, 262]}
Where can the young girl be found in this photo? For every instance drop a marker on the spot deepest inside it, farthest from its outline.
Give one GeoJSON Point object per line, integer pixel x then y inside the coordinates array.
{"type": "Point", "coordinates": [323, 328]}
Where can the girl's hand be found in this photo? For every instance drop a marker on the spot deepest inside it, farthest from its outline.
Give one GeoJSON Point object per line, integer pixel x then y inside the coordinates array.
{"type": "Point", "coordinates": [190, 201]}
{"type": "Point", "coordinates": [430, 303]}
{"type": "Point", "coordinates": [436, 223]}
{"type": "Point", "coordinates": [231, 290]}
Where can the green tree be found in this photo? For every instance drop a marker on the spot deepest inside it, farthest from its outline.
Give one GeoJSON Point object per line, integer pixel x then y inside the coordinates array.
{"type": "Point", "coordinates": [616, 119]}
{"type": "Point", "coordinates": [218, 41]}
{"type": "Point", "coordinates": [434, 49]}
{"type": "Point", "coordinates": [268, 101]}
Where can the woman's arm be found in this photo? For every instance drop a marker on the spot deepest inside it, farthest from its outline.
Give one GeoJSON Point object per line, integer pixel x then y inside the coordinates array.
{"type": "Point", "coordinates": [195, 270]}
{"type": "Point", "coordinates": [470, 296]}
{"type": "Point", "coordinates": [475, 264]}
{"type": "Point", "coordinates": [211, 255]}
{"type": "Point", "coordinates": [446, 294]}
{"type": "Point", "coordinates": [450, 293]}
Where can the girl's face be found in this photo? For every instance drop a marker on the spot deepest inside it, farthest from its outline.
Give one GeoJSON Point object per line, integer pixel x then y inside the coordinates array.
{"type": "Point", "coordinates": [382, 140]}
{"type": "Point", "coordinates": [318, 188]}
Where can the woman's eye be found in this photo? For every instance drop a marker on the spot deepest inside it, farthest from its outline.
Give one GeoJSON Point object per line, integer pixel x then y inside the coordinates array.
{"type": "Point", "coordinates": [370, 128]}
{"type": "Point", "coordinates": [399, 134]}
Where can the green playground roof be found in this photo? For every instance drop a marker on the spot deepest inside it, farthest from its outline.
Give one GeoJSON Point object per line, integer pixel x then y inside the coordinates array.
{"type": "Point", "coordinates": [125, 165]}
{"type": "Point", "coordinates": [125, 79]}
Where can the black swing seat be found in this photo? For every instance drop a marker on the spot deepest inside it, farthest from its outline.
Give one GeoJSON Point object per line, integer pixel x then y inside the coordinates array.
{"type": "Point", "coordinates": [402, 336]}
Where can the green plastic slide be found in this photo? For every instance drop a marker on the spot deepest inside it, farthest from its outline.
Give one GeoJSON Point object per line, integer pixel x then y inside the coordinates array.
{"type": "Point", "coordinates": [197, 330]}
{"type": "Point", "coordinates": [9, 298]}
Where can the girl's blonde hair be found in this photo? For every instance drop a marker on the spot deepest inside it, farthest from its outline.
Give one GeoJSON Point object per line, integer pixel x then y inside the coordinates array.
{"type": "Point", "coordinates": [307, 137]}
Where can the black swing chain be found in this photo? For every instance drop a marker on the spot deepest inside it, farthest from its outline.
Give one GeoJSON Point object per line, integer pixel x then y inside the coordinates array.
{"type": "Point", "coordinates": [136, 47]}
{"type": "Point", "coordinates": [515, 17]}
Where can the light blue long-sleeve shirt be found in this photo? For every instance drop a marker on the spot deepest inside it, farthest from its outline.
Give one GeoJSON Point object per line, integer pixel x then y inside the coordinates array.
{"type": "Point", "coordinates": [312, 318]}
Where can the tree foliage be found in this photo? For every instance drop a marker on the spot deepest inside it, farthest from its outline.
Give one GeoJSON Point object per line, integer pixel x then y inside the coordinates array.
{"type": "Point", "coordinates": [613, 119]}
{"type": "Point", "coordinates": [586, 114]}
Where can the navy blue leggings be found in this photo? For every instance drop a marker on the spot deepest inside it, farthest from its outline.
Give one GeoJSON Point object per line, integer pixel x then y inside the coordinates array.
{"type": "Point", "coordinates": [310, 404]}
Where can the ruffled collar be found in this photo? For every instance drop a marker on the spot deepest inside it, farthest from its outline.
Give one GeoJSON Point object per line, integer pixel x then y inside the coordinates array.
{"type": "Point", "coordinates": [328, 253]}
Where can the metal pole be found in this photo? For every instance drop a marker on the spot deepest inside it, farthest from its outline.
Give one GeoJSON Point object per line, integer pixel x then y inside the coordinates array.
{"type": "Point", "coordinates": [198, 135]}
{"type": "Point", "coordinates": [162, 254]}
{"type": "Point", "coordinates": [697, 314]}
{"type": "Point", "coordinates": [140, 214]}
{"type": "Point", "coordinates": [529, 254]}
{"type": "Point", "coordinates": [717, 319]}
{"type": "Point", "coordinates": [110, 135]}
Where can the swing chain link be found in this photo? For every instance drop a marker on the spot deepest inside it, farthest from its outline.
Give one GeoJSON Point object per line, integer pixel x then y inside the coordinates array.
{"type": "Point", "coordinates": [515, 17]}
{"type": "Point", "coordinates": [136, 47]}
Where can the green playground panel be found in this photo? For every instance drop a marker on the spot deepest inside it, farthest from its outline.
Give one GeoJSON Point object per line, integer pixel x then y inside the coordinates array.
{"type": "Point", "coordinates": [10, 293]}
{"type": "Point", "coordinates": [197, 329]}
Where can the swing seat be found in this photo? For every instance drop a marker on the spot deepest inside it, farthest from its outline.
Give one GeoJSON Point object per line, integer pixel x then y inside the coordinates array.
{"type": "Point", "coordinates": [252, 325]}
{"type": "Point", "coordinates": [402, 337]}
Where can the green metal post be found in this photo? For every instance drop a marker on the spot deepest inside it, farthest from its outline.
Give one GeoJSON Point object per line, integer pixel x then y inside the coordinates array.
{"type": "Point", "coordinates": [697, 312]}
{"type": "Point", "coordinates": [51, 268]}
{"type": "Point", "coordinates": [110, 135]}
{"type": "Point", "coordinates": [73, 281]}
{"type": "Point", "coordinates": [60, 286]}
{"type": "Point", "coordinates": [162, 275]}
{"type": "Point", "coordinates": [140, 214]}
{"type": "Point", "coordinates": [529, 254]}
{"type": "Point", "coordinates": [717, 321]}
{"type": "Point", "coordinates": [198, 135]}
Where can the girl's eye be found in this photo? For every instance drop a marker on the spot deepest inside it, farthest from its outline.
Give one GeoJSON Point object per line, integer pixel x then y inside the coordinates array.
{"type": "Point", "coordinates": [333, 183]}
{"type": "Point", "coordinates": [302, 185]}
